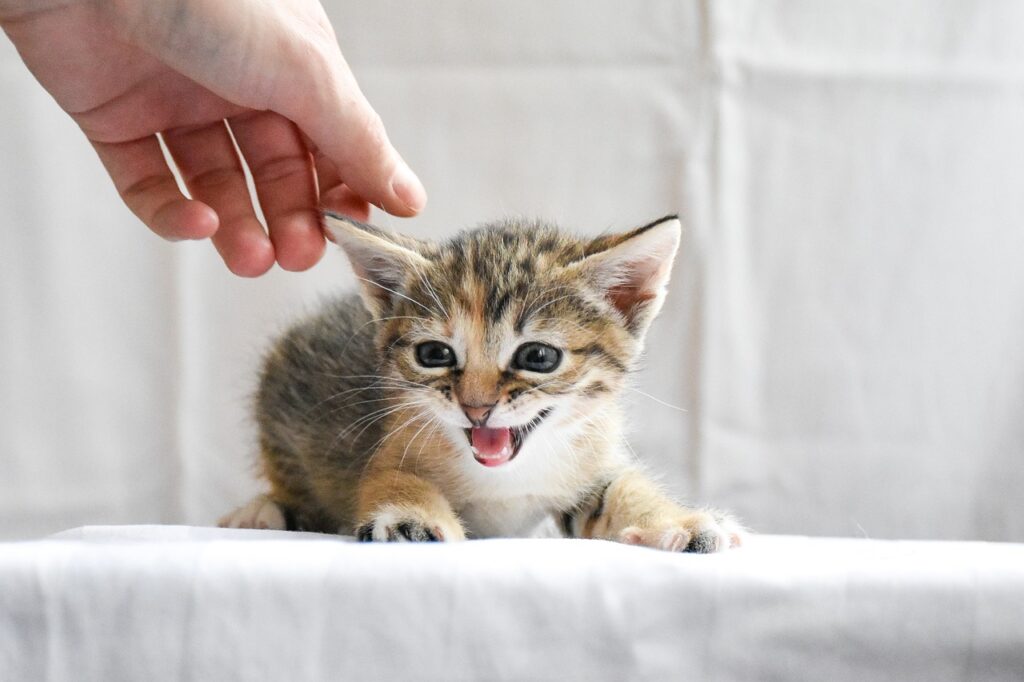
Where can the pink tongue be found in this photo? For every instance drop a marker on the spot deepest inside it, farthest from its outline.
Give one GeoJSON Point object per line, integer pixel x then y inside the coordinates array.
{"type": "Point", "coordinates": [492, 446]}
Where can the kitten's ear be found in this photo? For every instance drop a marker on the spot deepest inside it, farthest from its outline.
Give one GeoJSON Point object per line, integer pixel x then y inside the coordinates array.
{"type": "Point", "coordinates": [381, 260]}
{"type": "Point", "coordinates": [632, 269]}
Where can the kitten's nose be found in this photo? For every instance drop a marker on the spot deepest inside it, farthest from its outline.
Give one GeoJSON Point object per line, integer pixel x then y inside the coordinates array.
{"type": "Point", "coordinates": [478, 414]}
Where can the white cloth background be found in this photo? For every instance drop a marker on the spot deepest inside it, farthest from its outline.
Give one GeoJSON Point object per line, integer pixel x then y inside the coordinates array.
{"type": "Point", "coordinates": [846, 323]}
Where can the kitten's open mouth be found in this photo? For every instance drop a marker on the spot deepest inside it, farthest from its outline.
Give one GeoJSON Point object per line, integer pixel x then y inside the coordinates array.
{"type": "Point", "coordinates": [494, 447]}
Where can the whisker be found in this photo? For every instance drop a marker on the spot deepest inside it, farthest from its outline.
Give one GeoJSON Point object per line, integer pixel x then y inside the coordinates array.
{"type": "Point", "coordinates": [656, 399]}
{"type": "Point", "coordinates": [382, 389]}
{"type": "Point", "coordinates": [400, 337]}
{"type": "Point", "coordinates": [436, 425]}
{"type": "Point", "coordinates": [540, 387]}
{"type": "Point", "coordinates": [376, 415]}
{"type": "Point", "coordinates": [396, 293]}
{"type": "Point", "coordinates": [561, 321]}
{"type": "Point", "coordinates": [376, 448]}
{"type": "Point", "coordinates": [551, 303]}
{"type": "Point", "coordinates": [430, 290]}
{"type": "Point", "coordinates": [376, 320]}
{"type": "Point", "coordinates": [369, 387]}
{"type": "Point", "coordinates": [381, 377]}
{"type": "Point", "coordinates": [411, 441]}
{"type": "Point", "coordinates": [540, 293]}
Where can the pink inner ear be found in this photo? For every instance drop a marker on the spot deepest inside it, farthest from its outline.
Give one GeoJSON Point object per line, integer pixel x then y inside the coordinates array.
{"type": "Point", "coordinates": [627, 297]}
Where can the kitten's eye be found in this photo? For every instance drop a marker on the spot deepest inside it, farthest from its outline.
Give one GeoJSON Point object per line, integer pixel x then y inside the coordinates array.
{"type": "Point", "coordinates": [537, 357]}
{"type": "Point", "coordinates": [435, 354]}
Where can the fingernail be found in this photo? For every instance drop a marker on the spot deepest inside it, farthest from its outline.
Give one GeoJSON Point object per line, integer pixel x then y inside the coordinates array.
{"type": "Point", "coordinates": [408, 188]}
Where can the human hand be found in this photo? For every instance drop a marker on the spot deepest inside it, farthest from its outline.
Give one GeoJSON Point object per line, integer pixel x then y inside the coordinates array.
{"type": "Point", "coordinates": [126, 70]}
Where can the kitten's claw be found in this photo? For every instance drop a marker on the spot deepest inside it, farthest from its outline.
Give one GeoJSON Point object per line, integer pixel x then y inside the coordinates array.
{"type": "Point", "coordinates": [260, 512]}
{"type": "Point", "coordinates": [700, 533]}
{"type": "Point", "coordinates": [395, 525]}
{"type": "Point", "coordinates": [404, 531]}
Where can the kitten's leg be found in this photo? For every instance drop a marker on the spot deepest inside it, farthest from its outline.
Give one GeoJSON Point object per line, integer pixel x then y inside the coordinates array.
{"type": "Point", "coordinates": [395, 506]}
{"type": "Point", "coordinates": [260, 512]}
{"type": "Point", "coordinates": [633, 510]}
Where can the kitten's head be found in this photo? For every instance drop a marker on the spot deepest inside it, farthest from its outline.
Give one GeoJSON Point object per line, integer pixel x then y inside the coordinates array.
{"type": "Point", "coordinates": [510, 328]}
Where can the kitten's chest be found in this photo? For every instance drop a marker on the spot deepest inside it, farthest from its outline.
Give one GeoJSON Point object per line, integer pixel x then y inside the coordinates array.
{"type": "Point", "coordinates": [513, 517]}
{"type": "Point", "coordinates": [550, 474]}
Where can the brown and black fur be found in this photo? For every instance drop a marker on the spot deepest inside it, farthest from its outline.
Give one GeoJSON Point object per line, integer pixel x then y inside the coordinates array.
{"type": "Point", "coordinates": [357, 438]}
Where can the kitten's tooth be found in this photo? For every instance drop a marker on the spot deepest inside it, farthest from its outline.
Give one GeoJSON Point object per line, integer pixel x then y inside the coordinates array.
{"type": "Point", "coordinates": [474, 449]}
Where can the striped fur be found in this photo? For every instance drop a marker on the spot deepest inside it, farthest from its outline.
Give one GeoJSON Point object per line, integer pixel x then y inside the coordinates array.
{"type": "Point", "coordinates": [358, 437]}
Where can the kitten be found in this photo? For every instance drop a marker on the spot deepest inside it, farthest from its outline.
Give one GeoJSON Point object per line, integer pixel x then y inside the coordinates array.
{"type": "Point", "coordinates": [474, 391]}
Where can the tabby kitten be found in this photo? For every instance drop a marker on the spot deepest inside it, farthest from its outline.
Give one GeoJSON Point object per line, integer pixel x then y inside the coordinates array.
{"type": "Point", "coordinates": [473, 392]}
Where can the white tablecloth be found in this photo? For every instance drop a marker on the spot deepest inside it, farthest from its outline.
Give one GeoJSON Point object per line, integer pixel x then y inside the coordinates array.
{"type": "Point", "coordinates": [178, 603]}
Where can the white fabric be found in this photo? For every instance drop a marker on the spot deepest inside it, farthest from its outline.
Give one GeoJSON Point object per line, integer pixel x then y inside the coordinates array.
{"type": "Point", "coordinates": [166, 603]}
{"type": "Point", "coordinates": [844, 327]}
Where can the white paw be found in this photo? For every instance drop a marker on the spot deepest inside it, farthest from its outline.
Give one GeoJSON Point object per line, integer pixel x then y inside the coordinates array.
{"type": "Point", "coordinates": [260, 512]}
{"type": "Point", "coordinates": [393, 524]}
{"type": "Point", "coordinates": [702, 532]}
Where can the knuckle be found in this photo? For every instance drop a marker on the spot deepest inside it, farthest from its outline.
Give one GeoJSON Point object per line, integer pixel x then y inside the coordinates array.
{"type": "Point", "coordinates": [279, 168]}
{"type": "Point", "coordinates": [214, 177]}
{"type": "Point", "coordinates": [146, 185]}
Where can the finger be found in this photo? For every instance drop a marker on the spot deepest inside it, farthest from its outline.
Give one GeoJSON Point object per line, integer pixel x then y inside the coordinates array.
{"type": "Point", "coordinates": [342, 199]}
{"type": "Point", "coordinates": [282, 171]}
{"type": "Point", "coordinates": [334, 194]}
{"type": "Point", "coordinates": [327, 177]}
{"type": "Point", "coordinates": [148, 188]}
{"type": "Point", "coordinates": [213, 174]}
{"type": "Point", "coordinates": [329, 107]}
{"type": "Point", "coordinates": [297, 70]}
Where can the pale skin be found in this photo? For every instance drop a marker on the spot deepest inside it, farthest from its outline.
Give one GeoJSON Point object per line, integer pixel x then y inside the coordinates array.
{"type": "Point", "coordinates": [188, 69]}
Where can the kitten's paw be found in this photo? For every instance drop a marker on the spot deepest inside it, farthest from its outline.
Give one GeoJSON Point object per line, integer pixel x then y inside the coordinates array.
{"type": "Point", "coordinates": [395, 524]}
{"type": "Point", "coordinates": [701, 532]}
{"type": "Point", "coordinates": [260, 512]}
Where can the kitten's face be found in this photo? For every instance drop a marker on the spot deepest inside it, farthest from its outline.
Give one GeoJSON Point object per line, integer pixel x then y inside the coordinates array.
{"type": "Point", "coordinates": [509, 329]}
